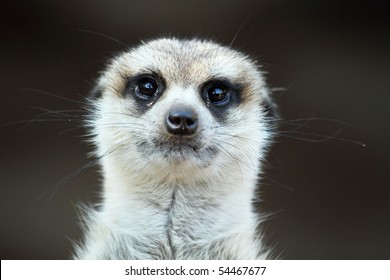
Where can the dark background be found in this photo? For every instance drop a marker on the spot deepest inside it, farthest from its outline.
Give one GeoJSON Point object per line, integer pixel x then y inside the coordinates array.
{"type": "Point", "coordinates": [330, 198]}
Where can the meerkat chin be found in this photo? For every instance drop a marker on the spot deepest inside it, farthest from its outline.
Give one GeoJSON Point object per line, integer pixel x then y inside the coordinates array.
{"type": "Point", "coordinates": [180, 128]}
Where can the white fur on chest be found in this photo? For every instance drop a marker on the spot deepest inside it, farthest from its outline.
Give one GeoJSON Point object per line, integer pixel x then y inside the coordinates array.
{"type": "Point", "coordinates": [175, 221]}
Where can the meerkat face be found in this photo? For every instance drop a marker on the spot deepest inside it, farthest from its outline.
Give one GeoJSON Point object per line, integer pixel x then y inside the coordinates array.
{"type": "Point", "coordinates": [181, 104]}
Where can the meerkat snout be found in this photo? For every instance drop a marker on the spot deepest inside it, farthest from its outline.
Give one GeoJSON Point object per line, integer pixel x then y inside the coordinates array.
{"type": "Point", "coordinates": [182, 121]}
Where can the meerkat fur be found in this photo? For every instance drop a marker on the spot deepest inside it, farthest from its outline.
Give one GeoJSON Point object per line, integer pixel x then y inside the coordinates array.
{"type": "Point", "coordinates": [181, 131]}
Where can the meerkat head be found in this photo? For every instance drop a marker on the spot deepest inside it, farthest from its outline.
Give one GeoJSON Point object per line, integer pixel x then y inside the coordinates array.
{"type": "Point", "coordinates": [181, 108]}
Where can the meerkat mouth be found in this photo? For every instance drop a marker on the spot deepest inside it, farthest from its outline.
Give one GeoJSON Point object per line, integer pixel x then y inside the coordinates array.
{"type": "Point", "coordinates": [178, 150]}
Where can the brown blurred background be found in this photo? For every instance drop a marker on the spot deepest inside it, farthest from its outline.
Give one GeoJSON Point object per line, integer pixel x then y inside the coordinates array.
{"type": "Point", "coordinates": [329, 199]}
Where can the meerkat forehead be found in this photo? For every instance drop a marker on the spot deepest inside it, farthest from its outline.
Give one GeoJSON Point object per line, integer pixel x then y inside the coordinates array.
{"type": "Point", "coordinates": [185, 63]}
{"type": "Point", "coordinates": [189, 61]}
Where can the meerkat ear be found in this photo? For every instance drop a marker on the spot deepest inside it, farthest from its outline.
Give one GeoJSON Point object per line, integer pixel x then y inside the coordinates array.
{"type": "Point", "coordinates": [96, 92]}
{"type": "Point", "coordinates": [270, 107]}
{"type": "Point", "coordinates": [93, 96]}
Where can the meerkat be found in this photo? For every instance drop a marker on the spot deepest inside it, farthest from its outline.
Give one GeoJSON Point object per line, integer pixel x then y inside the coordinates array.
{"type": "Point", "coordinates": [181, 130]}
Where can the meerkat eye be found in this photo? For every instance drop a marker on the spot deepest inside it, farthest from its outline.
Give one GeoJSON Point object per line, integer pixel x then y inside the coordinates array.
{"type": "Point", "coordinates": [218, 94]}
{"type": "Point", "coordinates": [147, 86]}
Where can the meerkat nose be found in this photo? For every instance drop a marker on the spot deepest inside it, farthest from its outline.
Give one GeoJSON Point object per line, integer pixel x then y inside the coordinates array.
{"type": "Point", "coordinates": [182, 121]}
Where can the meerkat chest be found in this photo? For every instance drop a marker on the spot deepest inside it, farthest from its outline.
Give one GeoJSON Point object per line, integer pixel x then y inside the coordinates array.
{"type": "Point", "coordinates": [169, 228]}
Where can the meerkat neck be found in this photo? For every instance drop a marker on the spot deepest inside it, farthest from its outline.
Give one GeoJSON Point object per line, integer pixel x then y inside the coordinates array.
{"type": "Point", "coordinates": [206, 206]}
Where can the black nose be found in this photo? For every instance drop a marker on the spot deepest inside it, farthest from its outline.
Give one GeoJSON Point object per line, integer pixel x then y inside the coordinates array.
{"type": "Point", "coordinates": [182, 121]}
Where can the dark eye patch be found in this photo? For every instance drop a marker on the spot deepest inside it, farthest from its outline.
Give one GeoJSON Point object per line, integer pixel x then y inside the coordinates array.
{"type": "Point", "coordinates": [220, 95]}
{"type": "Point", "coordinates": [144, 89]}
